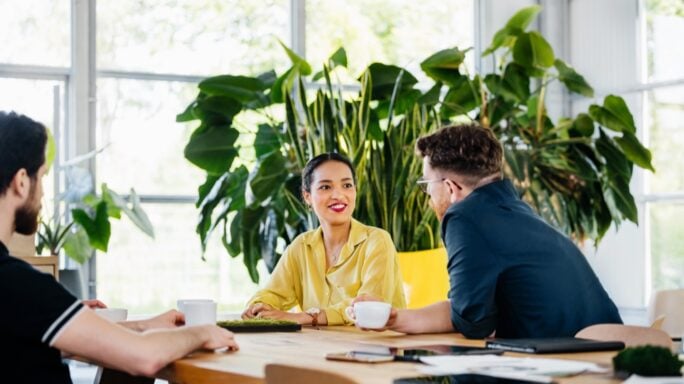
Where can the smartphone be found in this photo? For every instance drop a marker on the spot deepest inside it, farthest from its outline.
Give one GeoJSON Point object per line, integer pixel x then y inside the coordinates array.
{"type": "Point", "coordinates": [361, 357]}
{"type": "Point", "coordinates": [468, 378]}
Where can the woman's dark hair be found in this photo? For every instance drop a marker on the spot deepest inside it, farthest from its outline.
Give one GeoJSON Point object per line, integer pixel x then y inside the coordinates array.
{"type": "Point", "coordinates": [22, 145]}
{"type": "Point", "coordinates": [307, 173]}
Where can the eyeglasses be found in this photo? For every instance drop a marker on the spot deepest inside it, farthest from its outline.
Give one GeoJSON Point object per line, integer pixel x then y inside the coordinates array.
{"type": "Point", "coordinates": [423, 184]}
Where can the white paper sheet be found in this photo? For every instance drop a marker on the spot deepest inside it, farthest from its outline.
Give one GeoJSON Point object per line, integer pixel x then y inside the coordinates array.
{"type": "Point", "coordinates": [636, 379]}
{"type": "Point", "coordinates": [533, 369]}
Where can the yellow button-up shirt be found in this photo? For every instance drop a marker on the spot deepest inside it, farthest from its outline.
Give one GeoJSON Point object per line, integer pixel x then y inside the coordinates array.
{"type": "Point", "coordinates": [367, 266]}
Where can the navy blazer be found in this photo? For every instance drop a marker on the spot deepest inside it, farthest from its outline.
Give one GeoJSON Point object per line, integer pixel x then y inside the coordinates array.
{"type": "Point", "coordinates": [512, 272]}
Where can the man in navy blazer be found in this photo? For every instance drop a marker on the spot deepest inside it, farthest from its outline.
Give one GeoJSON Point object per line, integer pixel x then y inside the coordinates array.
{"type": "Point", "coordinates": [510, 272]}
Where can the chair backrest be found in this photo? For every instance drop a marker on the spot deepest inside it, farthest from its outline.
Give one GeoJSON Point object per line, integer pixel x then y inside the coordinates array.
{"type": "Point", "coordinates": [658, 322]}
{"type": "Point", "coordinates": [669, 303]}
{"type": "Point", "coordinates": [285, 374]}
{"type": "Point", "coordinates": [24, 247]}
{"type": "Point", "coordinates": [46, 264]}
{"type": "Point", "coordinates": [425, 276]}
{"type": "Point", "coordinates": [631, 335]}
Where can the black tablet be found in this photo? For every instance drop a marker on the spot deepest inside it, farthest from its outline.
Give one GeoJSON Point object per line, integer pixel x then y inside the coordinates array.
{"type": "Point", "coordinates": [468, 378]}
{"type": "Point", "coordinates": [554, 345]}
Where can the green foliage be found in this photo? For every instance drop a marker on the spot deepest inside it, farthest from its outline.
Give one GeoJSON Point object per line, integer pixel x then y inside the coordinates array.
{"type": "Point", "coordinates": [52, 236]}
{"type": "Point", "coordinates": [648, 360]}
{"type": "Point", "coordinates": [90, 228]}
{"type": "Point", "coordinates": [575, 172]}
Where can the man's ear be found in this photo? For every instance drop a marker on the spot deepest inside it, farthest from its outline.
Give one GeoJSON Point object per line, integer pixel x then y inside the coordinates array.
{"type": "Point", "coordinates": [455, 193]}
{"type": "Point", "coordinates": [452, 189]}
{"type": "Point", "coordinates": [20, 185]}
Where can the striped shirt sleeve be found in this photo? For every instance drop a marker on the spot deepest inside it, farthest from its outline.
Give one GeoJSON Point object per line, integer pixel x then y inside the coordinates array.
{"type": "Point", "coordinates": [59, 324]}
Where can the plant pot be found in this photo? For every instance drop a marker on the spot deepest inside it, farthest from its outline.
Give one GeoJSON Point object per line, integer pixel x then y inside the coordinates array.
{"type": "Point", "coordinates": [425, 276]}
{"type": "Point", "coordinates": [22, 245]}
{"type": "Point", "coordinates": [71, 280]}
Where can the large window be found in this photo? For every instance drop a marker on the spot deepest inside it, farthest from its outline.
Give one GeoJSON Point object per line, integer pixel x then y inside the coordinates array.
{"type": "Point", "coordinates": [149, 56]}
{"type": "Point", "coordinates": [664, 122]}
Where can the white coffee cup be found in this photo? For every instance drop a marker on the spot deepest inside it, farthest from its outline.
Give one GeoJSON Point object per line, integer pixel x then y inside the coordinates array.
{"type": "Point", "coordinates": [198, 311]}
{"type": "Point", "coordinates": [371, 314]}
{"type": "Point", "coordinates": [114, 315]}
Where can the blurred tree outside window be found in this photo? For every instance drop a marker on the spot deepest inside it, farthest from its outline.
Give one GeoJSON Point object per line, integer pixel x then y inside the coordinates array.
{"type": "Point", "coordinates": [36, 33]}
{"type": "Point", "coordinates": [401, 32]}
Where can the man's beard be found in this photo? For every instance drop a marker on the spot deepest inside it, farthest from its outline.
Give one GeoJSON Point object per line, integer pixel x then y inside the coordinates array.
{"type": "Point", "coordinates": [439, 208]}
{"type": "Point", "coordinates": [26, 216]}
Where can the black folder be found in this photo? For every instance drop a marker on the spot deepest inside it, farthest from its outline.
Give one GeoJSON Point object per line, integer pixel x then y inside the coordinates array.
{"type": "Point", "coordinates": [554, 345]}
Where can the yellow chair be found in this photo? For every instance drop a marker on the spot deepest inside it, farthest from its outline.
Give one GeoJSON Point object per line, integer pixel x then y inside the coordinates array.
{"type": "Point", "coordinates": [425, 276]}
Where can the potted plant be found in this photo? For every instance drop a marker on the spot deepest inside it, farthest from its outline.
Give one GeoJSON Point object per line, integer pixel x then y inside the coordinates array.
{"type": "Point", "coordinates": [256, 207]}
{"type": "Point", "coordinates": [575, 171]}
{"type": "Point", "coordinates": [88, 228]}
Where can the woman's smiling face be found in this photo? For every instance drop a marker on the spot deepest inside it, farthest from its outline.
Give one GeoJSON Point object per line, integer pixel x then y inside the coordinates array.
{"type": "Point", "coordinates": [333, 193]}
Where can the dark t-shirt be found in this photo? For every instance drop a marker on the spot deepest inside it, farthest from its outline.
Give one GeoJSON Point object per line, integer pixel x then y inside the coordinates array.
{"type": "Point", "coordinates": [34, 309]}
{"type": "Point", "coordinates": [513, 273]}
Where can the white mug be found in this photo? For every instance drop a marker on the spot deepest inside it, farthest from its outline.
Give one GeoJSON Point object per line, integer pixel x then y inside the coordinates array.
{"type": "Point", "coordinates": [370, 314]}
{"type": "Point", "coordinates": [198, 311]}
{"type": "Point", "coordinates": [112, 314]}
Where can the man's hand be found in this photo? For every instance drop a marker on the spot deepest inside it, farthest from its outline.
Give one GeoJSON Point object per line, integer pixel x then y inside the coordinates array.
{"type": "Point", "coordinates": [390, 322]}
{"type": "Point", "coordinates": [435, 318]}
{"type": "Point", "coordinates": [255, 309]}
{"type": "Point", "coordinates": [168, 319]}
{"type": "Point", "coordinates": [94, 303]}
{"type": "Point", "coordinates": [217, 338]}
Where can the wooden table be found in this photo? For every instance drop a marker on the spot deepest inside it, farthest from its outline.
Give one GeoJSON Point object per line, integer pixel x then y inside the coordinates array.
{"type": "Point", "coordinates": [309, 347]}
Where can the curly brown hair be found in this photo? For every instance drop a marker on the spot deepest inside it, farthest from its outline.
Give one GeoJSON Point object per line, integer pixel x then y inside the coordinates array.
{"type": "Point", "coordinates": [468, 150]}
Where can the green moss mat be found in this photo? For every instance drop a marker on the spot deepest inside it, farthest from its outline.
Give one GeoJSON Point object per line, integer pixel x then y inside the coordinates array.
{"type": "Point", "coordinates": [260, 325]}
{"type": "Point", "coordinates": [253, 322]}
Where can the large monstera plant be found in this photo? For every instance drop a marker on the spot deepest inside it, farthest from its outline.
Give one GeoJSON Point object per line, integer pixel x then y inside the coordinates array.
{"type": "Point", "coordinates": [255, 135]}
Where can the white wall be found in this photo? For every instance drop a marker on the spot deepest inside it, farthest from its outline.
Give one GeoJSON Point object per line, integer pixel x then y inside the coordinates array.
{"type": "Point", "coordinates": [600, 39]}
{"type": "Point", "coordinates": [604, 48]}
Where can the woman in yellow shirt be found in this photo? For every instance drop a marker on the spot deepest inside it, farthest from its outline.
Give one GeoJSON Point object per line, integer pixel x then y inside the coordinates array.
{"type": "Point", "coordinates": [323, 270]}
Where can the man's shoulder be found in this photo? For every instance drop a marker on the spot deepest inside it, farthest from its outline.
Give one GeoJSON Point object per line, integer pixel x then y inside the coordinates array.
{"type": "Point", "coordinates": [19, 277]}
{"type": "Point", "coordinates": [11, 266]}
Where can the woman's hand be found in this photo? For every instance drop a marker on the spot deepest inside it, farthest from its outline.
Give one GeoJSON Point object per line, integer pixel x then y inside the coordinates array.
{"type": "Point", "coordinates": [255, 309]}
{"type": "Point", "coordinates": [274, 314]}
